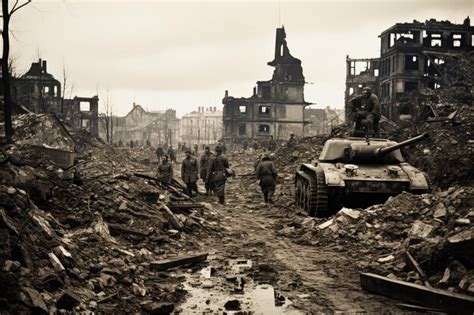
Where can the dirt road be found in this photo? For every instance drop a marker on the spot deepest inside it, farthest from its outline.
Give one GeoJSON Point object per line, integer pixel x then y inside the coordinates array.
{"type": "Point", "coordinates": [252, 264]}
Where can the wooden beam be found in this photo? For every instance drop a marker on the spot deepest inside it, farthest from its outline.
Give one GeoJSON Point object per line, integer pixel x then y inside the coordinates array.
{"type": "Point", "coordinates": [417, 294]}
{"type": "Point", "coordinates": [414, 264]}
{"type": "Point", "coordinates": [164, 264]}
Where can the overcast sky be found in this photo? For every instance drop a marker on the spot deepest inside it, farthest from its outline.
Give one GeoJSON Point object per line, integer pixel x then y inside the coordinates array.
{"type": "Point", "coordinates": [183, 55]}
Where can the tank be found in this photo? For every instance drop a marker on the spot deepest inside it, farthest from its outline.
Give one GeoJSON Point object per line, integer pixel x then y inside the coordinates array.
{"type": "Point", "coordinates": [356, 172]}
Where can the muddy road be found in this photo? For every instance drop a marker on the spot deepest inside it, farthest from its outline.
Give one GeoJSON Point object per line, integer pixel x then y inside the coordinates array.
{"type": "Point", "coordinates": [253, 266]}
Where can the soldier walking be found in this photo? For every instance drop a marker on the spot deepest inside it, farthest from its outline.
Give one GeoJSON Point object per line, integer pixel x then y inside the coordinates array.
{"type": "Point", "coordinates": [292, 141]}
{"type": "Point", "coordinates": [189, 173]}
{"type": "Point", "coordinates": [272, 144]}
{"type": "Point", "coordinates": [165, 171]}
{"type": "Point", "coordinates": [216, 174]}
{"type": "Point", "coordinates": [204, 165]}
{"type": "Point", "coordinates": [159, 152]}
{"type": "Point", "coordinates": [172, 154]}
{"type": "Point", "coordinates": [267, 174]}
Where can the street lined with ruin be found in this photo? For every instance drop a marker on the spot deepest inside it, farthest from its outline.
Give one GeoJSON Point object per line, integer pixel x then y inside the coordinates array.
{"type": "Point", "coordinates": [301, 278]}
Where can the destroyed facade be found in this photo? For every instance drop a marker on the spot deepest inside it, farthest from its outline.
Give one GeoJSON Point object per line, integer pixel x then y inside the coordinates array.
{"type": "Point", "coordinates": [38, 91]}
{"type": "Point", "coordinates": [140, 125]}
{"type": "Point", "coordinates": [276, 107]}
{"type": "Point", "coordinates": [412, 56]}
{"type": "Point", "coordinates": [322, 120]}
{"type": "Point", "coordinates": [202, 127]}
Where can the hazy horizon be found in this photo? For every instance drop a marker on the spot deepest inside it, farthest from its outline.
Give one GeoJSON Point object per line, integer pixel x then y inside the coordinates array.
{"type": "Point", "coordinates": [183, 55]}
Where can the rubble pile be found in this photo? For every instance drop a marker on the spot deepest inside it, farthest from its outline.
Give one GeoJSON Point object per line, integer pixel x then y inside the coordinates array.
{"type": "Point", "coordinates": [447, 157]}
{"type": "Point", "coordinates": [436, 229]}
{"type": "Point", "coordinates": [86, 237]}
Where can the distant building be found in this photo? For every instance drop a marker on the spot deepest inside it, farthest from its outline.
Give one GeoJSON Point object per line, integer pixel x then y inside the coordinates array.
{"type": "Point", "coordinates": [276, 107]}
{"type": "Point", "coordinates": [202, 127]}
{"type": "Point", "coordinates": [411, 58]}
{"type": "Point", "coordinates": [158, 127]}
{"type": "Point", "coordinates": [83, 113]}
{"type": "Point", "coordinates": [322, 120]}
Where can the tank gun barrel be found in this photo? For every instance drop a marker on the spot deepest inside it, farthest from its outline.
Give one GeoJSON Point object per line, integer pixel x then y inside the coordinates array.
{"type": "Point", "coordinates": [384, 151]}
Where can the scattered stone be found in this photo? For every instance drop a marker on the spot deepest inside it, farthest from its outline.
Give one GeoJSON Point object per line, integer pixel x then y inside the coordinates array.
{"type": "Point", "coordinates": [68, 300]}
{"type": "Point", "coordinates": [232, 305]}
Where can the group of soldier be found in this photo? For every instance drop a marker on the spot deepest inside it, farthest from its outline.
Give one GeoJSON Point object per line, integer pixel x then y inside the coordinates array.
{"type": "Point", "coordinates": [213, 169]}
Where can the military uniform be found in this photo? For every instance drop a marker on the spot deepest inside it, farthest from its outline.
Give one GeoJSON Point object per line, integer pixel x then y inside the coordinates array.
{"type": "Point", "coordinates": [204, 165]}
{"type": "Point", "coordinates": [291, 142]}
{"type": "Point", "coordinates": [216, 175]}
{"type": "Point", "coordinates": [267, 174]}
{"type": "Point", "coordinates": [172, 154]}
{"type": "Point", "coordinates": [165, 172]}
{"type": "Point", "coordinates": [159, 153]}
{"type": "Point", "coordinates": [366, 108]}
{"type": "Point", "coordinates": [189, 174]}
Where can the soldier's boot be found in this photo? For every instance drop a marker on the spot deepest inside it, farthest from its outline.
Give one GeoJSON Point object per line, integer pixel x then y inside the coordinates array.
{"type": "Point", "coordinates": [222, 200]}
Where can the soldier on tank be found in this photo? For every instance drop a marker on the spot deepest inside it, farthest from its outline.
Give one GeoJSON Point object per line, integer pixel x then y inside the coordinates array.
{"type": "Point", "coordinates": [217, 175]}
{"type": "Point", "coordinates": [365, 111]}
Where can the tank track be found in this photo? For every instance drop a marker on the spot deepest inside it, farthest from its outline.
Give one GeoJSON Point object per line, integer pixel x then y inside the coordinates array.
{"type": "Point", "coordinates": [317, 190]}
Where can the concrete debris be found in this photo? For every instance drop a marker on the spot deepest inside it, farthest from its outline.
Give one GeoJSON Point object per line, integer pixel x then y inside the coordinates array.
{"type": "Point", "coordinates": [90, 230]}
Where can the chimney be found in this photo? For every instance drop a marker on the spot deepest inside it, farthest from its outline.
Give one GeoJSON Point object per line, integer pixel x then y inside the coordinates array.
{"type": "Point", "coordinates": [254, 91]}
{"type": "Point", "coordinates": [226, 93]}
{"type": "Point", "coordinates": [44, 67]}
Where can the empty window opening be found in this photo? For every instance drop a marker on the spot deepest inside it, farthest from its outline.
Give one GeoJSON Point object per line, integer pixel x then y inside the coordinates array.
{"type": "Point", "coordinates": [436, 43]}
{"type": "Point", "coordinates": [242, 109]}
{"type": "Point", "coordinates": [437, 86]}
{"type": "Point", "coordinates": [472, 40]}
{"type": "Point", "coordinates": [438, 61]}
{"type": "Point", "coordinates": [351, 91]}
{"type": "Point", "coordinates": [456, 43]}
{"type": "Point", "coordinates": [376, 72]}
{"type": "Point", "coordinates": [411, 62]}
{"type": "Point", "coordinates": [263, 128]}
{"type": "Point", "coordinates": [85, 123]}
{"type": "Point", "coordinates": [411, 86]}
{"type": "Point", "coordinates": [55, 90]}
{"type": "Point", "coordinates": [242, 130]}
{"type": "Point", "coordinates": [46, 89]}
{"type": "Point", "coordinates": [264, 110]}
{"type": "Point", "coordinates": [85, 106]}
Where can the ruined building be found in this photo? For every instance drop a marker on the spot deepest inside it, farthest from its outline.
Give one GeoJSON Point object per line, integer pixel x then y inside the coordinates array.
{"type": "Point", "coordinates": [322, 120]}
{"type": "Point", "coordinates": [202, 127]}
{"type": "Point", "coordinates": [140, 125]}
{"type": "Point", "coordinates": [39, 92]}
{"type": "Point", "coordinates": [411, 59]}
{"type": "Point", "coordinates": [276, 106]}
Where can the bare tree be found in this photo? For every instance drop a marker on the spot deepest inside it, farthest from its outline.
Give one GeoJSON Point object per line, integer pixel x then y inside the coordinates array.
{"type": "Point", "coordinates": [6, 82]}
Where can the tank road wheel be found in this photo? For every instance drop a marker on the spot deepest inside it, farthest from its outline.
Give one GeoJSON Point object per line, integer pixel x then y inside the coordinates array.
{"type": "Point", "coordinates": [298, 191]}
{"type": "Point", "coordinates": [320, 195]}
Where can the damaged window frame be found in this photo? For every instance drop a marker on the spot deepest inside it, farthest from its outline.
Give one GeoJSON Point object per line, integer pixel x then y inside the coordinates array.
{"type": "Point", "coordinates": [263, 129]}
{"type": "Point", "coordinates": [264, 110]}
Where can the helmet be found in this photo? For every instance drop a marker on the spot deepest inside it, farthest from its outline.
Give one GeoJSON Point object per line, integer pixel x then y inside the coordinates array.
{"type": "Point", "coordinates": [367, 89]}
{"type": "Point", "coordinates": [266, 156]}
{"type": "Point", "coordinates": [218, 148]}
{"type": "Point", "coordinates": [207, 147]}
{"type": "Point", "coordinates": [272, 156]}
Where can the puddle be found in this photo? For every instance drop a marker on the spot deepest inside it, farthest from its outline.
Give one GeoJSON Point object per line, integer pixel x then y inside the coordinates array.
{"type": "Point", "coordinates": [210, 289]}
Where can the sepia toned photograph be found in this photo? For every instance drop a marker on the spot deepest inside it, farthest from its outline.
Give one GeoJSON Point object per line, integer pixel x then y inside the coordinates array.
{"type": "Point", "coordinates": [237, 157]}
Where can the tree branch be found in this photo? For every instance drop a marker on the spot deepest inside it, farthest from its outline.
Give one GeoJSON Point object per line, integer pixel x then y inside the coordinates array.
{"type": "Point", "coordinates": [19, 7]}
